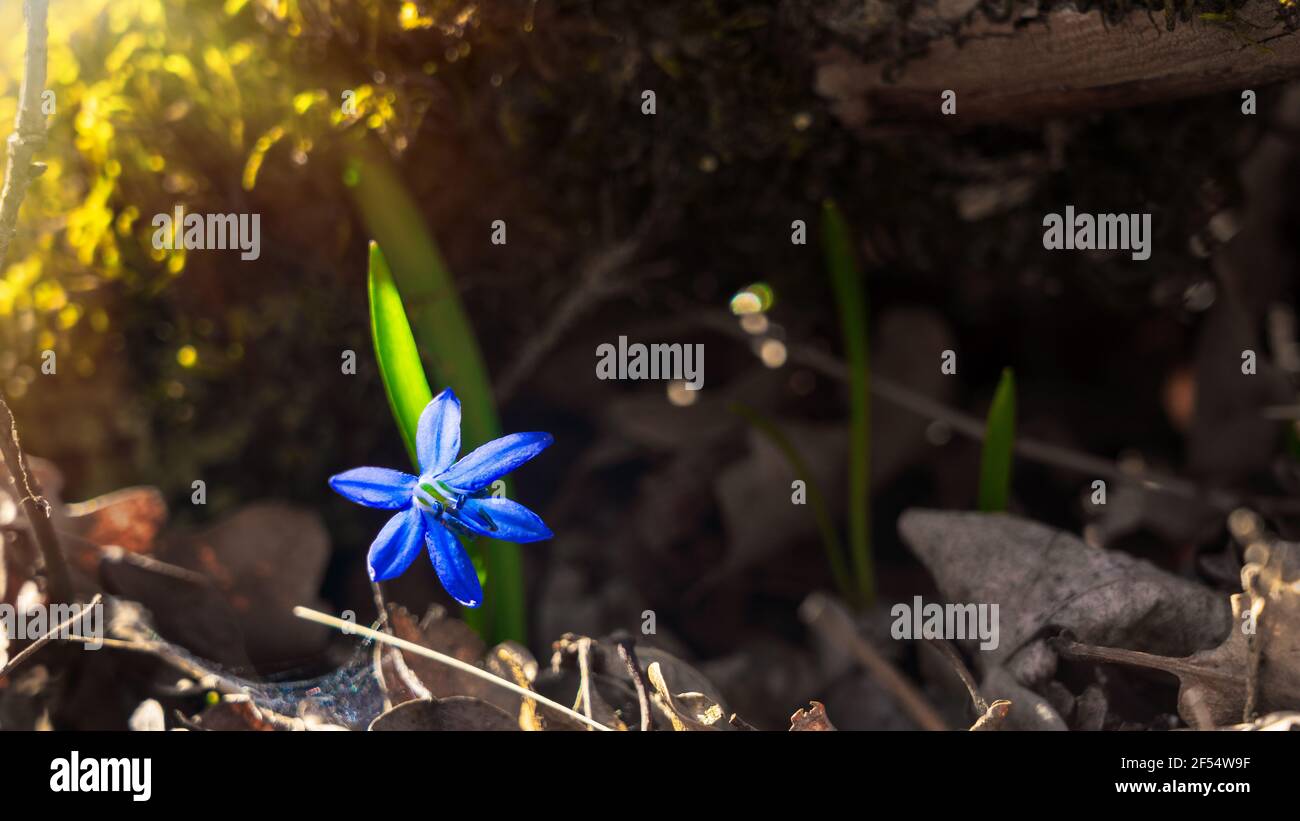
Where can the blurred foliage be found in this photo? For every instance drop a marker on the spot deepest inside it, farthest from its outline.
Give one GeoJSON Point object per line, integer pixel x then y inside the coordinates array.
{"type": "Point", "coordinates": [236, 106]}
{"type": "Point", "coordinates": [218, 108]}
{"type": "Point", "coordinates": [153, 100]}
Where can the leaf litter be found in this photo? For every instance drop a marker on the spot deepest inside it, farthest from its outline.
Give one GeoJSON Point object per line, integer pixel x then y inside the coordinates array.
{"type": "Point", "coordinates": [186, 600]}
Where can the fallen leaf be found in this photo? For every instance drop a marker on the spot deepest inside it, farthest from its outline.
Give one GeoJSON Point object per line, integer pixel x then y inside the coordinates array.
{"type": "Point", "coordinates": [266, 559]}
{"type": "Point", "coordinates": [686, 711]}
{"type": "Point", "coordinates": [1275, 722]}
{"type": "Point", "coordinates": [130, 518]}
{"type": "Point", "coordinates": [185, 607]}
{"type": "Point", "coordinates": [993, 717]}
{"type": "Point", "coordinates": [452, 714]}
{"type": "Point", "coordinates": [814, 719]}
{"type": "Point", "coordinates": [1045, 580]}
{"type": "Point", "coordinates": [451, 637]}
{"type": "Point", "coordinates": [1256, 668]}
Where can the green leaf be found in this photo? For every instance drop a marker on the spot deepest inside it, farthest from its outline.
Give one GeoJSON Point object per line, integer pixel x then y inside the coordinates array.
{"type": "Point", "coordinates": [999, 439]}
{"type": "Point", "coordinates": [399, 360]}
{"type": "Point", "coordinates": [447, 345]}
{"type": "Point", "coordinates": [850, 298]}
{"type": "Point", "coordinates": [816, 500]}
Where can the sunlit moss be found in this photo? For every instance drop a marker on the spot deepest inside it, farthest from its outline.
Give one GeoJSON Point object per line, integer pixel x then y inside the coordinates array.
{"type": "Point", "coordinates": [155, 99]}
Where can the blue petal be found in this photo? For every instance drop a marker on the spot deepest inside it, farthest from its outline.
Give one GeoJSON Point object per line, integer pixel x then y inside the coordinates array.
{"type": "Point", "coordinates": [453, 565]}
{"type": "Point", "coordinates": [437, 438]}
{"type": "Point", "coordinates": [494, 460]}
{"type": "Point", "coordinates": [502, 519]}
{"type": "Point", "coordinates": [375, 487]}
{"type": "Point", "coordinates": [396, 546]}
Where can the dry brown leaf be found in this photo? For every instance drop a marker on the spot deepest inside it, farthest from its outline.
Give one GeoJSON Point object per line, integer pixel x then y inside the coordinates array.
{"type": "Point", "coordinates": [512, 662]}
{"type": "Point", "coordinates": [129, 518]}
{"type": "Point", "coordinates": [451, 637]}
{"type": "Point", "coordinates": [812, 719]}
{"type": "Point", "coordinates": [1047, 581]}
{"type": "Point", "coordinates": [686, 711]}
{"type": "Point", "coordinates": [1273, 722]}
{"type": "Point", "coordinates": [266, 559]}
{"type": "Point", "coordinates": [447, 714]}
{"type": "Point", "coordinates": [993, 717]}
{"type": "Point", "coordinates": [184, 606]}
{"type": "Point", "coordinates": [1257, 667]}
{"type": "Point", "coordinates": [428, 678]}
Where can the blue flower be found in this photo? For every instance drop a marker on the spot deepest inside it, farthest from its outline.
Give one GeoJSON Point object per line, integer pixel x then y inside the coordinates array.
{"type": "Point", "coordinates": [448, 497]}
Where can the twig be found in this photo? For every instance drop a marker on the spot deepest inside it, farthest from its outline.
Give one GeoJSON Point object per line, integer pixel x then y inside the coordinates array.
{"type": "Point", "coordinates": [592, 287]}
{"type": "Point", "coordinates": [584, 670]}
{"type": "Point", "coordinates": [411, 647]}
{"type": "Point", "coordinates": [35, 507]}
{"type": "Point", "coordinates": [20, 170]}
{"type": "Point", "coordinates": [29, 127]}
{"type": "Point", "coordinates": [1031, 449]}
{"type": "Point", "coordinates": [821, 613]}
{"type": "Point", "coordinates": [945, 649]}
{"type": "Point", "coordinates": [79, 614]}
{"type": "Point", "coordinates": [381, 606]}
{"type": "Point", "coordinates": [1136, 658]}
{"type": "Point", "coordinates": [816, 499]}
{"type": "Point", "coordinates": [165, 653]}
{"type": "Point", "coordinates": [627, 652]}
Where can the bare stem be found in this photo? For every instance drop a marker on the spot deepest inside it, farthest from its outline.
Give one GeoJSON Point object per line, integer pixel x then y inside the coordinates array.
{"type": "Point", "coordinates": [824, 615]}
{"type": "Point", "coordinates": [20, 170]}
{"type": "Point", "coordinates": [53, 633]}
{"type": "Point", "coordinates": [36, 509]}
{"type": "Point", "coordinates": [29, 127]}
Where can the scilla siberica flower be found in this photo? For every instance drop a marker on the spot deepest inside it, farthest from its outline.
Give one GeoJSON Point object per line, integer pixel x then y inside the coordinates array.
{"type": "Point", "coordinates": [445, 499]}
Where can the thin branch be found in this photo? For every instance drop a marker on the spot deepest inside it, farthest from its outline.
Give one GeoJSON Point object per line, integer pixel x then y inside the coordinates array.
{"type": "Point", "coordinates": [35, 507]}
{"type": "Point", "coordinates": [823, 614]}
{"type": "Point", "coordinates": [78, 614]}
{"type": "Point", "coordinates": [1136, 658]}
{"type": "Point", "coordinates": [1027, 448]}
{"type": "Point", "coordinates": [950, 654]}
{"type": "Point", "coordinates": [29, 127]}
{"type": "Point", "coordinates": [20, 170]}
{"type": "Point", "coordinates": [627, 652]}
{"type": "Point", "coordinates": [593, 287]}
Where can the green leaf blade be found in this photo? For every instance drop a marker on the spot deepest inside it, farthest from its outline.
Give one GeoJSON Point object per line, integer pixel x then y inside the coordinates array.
{"type": "Point", "coordinates": [999, 441]}
{"type": "Point", "coordinates": [399, 358]}
{"type": "Point", "coordinates": [850, 298]}
{"type": "Point", "coordinates": [446, 342]}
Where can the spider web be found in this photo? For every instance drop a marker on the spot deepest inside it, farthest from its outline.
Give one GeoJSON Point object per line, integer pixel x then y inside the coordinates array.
{"type": "Point", "coordinates": [349, 696]}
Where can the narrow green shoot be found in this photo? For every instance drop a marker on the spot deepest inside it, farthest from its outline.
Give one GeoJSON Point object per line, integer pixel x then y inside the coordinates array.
{"type": "Point", "coordinates": [850, 298]}
{"type": "Point", "coordinates": [445, 341]}
{"type": "Point", "coordinates": [999, 439]}
{"type": "Point", "coordinates": [816, 500]}
{"type": "Point", "coordinates": [399, 360]}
